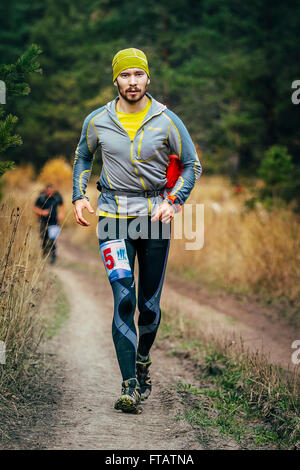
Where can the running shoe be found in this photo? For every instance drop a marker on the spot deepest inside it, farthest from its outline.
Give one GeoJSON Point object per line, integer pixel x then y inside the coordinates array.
{"type": "Point", "coordinates": [129, 402]}
{"type": "Point", "coordinates": [143, 376]}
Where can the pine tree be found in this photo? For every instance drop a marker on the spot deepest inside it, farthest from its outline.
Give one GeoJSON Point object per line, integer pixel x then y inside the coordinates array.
{"type": "Point", "coordinates": [14, 76]}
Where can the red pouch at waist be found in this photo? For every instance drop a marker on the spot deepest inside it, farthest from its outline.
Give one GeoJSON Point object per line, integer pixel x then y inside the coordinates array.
{"type": "Point", "coordinates": [174, 170]}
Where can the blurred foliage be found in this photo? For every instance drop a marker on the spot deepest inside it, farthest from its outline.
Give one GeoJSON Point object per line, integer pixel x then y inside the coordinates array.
{"type": "Point", "coordinates": [275, 168]}
{"type": "Point", "coordinates": [57, 171]}
{"type": "Point", "coordinates": [281, 181]}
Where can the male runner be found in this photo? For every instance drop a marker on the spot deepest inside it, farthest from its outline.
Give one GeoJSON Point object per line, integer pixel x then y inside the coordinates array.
{"type": "Point", "coordinates": [137, 134]}
{"type": "Point", "coordinates": [45, 208]}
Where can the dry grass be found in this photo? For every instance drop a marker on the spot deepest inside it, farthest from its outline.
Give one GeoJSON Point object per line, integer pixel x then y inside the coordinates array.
{"type": "Point", "coordinates": [254, 252]}
{"type": "Point", "coordinates": [20, 177]}
{"type": "Point", "coordinates": [31, 305]}
{"type": "Point", "coordinates": [22, 285]}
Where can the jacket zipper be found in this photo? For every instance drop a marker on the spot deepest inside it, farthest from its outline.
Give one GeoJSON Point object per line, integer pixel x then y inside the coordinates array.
{"type": "Point", "coordinates": [131, 148]}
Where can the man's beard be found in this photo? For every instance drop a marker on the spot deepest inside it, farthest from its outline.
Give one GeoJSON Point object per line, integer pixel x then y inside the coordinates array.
{"type": "Point", "coordinates": [134, 100]}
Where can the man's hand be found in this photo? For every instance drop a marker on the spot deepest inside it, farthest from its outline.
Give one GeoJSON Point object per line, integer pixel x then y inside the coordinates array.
{"type": "Point", "coordinates": [44, 212]}
{"type": "Point", "coordinates": [79, 205]}
{"type": "Point", "coordinates": [41, 212]}
{"type": "Point", "coordinates": [165, 212]}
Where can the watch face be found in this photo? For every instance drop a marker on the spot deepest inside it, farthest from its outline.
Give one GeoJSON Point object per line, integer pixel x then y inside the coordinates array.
{"type": "Point", "coordinates": [172, 198]}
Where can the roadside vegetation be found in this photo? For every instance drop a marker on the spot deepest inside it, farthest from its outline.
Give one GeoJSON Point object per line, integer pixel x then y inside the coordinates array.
{"type": "Point", "coordinates": [24, 321]}
{"type": "Point", "coordinates": [248, 251]}
{"type": "Point", "coordinates": [236, 393]}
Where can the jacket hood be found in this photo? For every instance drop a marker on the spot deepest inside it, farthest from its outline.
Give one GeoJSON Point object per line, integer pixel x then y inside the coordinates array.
{"type": "Point", "coordinates": [155, 108]}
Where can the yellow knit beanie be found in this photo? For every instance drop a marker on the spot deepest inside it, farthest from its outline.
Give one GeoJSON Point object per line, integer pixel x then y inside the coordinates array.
{"type": "Point", "coordinates": [129, 58]}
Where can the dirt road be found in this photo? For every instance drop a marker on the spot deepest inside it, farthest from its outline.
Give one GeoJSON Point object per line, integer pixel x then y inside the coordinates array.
{"type": "Point", "coordinates": [88, 379]}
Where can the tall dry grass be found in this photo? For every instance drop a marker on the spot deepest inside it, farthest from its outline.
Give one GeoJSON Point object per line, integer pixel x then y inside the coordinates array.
{"type": "Point", "coordinates": [20, 177]}
{"type": "Point", "coordinates": [246, 251]}
{"type": "Point", "coordinates": [22, 285]}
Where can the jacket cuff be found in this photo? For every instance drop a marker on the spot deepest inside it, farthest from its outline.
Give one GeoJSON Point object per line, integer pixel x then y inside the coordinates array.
{"type": "Point", "coordinates": [80, 197]}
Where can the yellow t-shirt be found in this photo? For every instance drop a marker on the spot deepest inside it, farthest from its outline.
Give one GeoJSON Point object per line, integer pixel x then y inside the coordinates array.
{"type": "Point", "coordinates": [132, 121]}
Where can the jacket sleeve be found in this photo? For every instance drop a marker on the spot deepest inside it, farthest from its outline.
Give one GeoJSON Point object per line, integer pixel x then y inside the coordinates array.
{"type": "Point", "coordinates": [83, 159]}
{"type": "Point", "coordinates": [181, 144]}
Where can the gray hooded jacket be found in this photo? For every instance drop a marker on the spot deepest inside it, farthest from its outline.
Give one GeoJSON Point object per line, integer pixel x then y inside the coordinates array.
{"type": "Point", "coordinates": [135, 165]}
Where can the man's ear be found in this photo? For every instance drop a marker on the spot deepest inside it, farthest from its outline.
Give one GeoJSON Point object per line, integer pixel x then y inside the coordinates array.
{"type": "Point", "coordinates": [148, 81]}
{"type": "Point", "coordinates": [115, 82]}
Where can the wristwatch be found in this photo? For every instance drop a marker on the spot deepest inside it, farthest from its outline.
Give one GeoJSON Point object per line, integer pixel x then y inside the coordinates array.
{"type": "Point", "coordinates": [174, 201]}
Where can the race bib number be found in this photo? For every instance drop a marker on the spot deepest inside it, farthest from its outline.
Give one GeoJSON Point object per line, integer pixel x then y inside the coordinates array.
{"type": "Point", "coordinates": [53, 231]}
{"type": "Point", "coordinates": [114, 255]}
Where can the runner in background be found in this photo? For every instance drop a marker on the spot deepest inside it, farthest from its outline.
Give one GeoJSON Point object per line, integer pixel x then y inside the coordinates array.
{"type": "Point", "coordinates": [46, 208]}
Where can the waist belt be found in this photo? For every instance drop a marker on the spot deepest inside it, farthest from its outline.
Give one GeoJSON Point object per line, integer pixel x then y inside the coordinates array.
{"type": "Point", "coordinates": [146, 193]}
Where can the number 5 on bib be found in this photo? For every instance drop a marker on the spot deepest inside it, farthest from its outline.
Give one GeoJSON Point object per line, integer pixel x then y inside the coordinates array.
{"type": "Point", "coordinates": [115, 259]}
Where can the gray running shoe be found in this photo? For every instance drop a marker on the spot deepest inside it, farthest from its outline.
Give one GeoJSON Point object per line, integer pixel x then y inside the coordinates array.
{"type": "Point", "coordinates": [129, 401]}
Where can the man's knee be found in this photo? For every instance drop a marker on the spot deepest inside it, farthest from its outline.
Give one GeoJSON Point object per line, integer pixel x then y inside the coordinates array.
{"type": "Point", "coordinates": [128, 304]}
{"type": "Point", "coordinates": [124, 295]}
{"type": "Point", "coordinates": [147, 316]}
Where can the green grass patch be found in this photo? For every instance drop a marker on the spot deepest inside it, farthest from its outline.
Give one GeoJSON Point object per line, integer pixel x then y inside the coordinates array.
{"type": "Point", "coordinates": [59, 311]}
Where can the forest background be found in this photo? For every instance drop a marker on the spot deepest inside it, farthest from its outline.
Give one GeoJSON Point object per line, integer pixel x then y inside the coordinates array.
{"type": "Point", "coordinates": [227, 68]}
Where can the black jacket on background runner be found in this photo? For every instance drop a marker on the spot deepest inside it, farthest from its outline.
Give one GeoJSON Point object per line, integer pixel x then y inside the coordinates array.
{"type": "Point", "coordinates": [51, 203]}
